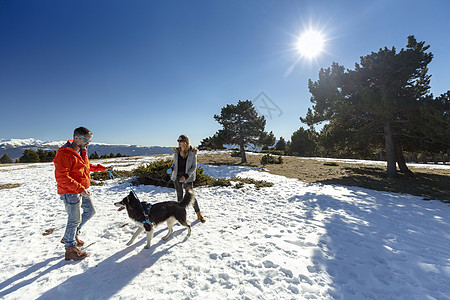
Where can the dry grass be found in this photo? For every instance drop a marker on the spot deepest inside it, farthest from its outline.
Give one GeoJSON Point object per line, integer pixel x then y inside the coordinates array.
{"type": "Point", "coordinates": [8, 186]}
{"type": "Point", "coordinates": [427, 183]}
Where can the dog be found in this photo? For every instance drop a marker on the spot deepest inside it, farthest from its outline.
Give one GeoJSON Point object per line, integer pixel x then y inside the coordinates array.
{"type": "Point", "coordinates": [169, 211]}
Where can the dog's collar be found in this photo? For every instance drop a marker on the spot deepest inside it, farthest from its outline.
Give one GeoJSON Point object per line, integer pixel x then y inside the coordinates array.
{"type": "Point", "coordinates": [147, 221]}
{"type": "Point", "coordinates": [146, 213]}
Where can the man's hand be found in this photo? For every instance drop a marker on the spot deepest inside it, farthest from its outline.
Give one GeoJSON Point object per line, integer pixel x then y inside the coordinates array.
{"type": "Point", "coordinates": [182, 179]}
{"type": "Point", "coordinates": [109, 168]}
{"type": "Point", "coordinates": [85, 193]}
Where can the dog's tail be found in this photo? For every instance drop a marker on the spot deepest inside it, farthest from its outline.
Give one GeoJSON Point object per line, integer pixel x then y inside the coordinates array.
{"type": "Point", "coordinates": [187, 199]}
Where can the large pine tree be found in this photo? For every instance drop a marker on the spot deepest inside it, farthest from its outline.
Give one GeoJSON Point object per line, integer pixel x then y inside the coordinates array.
{"type": "Point", "coordinates": [381, 93]}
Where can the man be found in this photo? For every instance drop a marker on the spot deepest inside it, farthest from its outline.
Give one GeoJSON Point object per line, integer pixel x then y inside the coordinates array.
{"type": "Point", "coordinates": [72, 173]}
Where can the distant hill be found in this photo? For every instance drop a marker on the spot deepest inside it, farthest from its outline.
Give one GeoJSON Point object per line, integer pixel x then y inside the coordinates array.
{"type": "Point", "coordinates": [14, 148]}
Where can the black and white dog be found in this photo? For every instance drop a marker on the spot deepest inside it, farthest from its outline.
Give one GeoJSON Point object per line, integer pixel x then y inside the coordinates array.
{"type": "Point", "coordinates": [169, 211]}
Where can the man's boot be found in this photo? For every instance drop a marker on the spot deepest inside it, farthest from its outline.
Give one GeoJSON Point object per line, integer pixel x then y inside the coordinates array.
{"type": "Point", "coordinates": [200, 217]}
{"type": "Point", "coordinates": [73, 253]}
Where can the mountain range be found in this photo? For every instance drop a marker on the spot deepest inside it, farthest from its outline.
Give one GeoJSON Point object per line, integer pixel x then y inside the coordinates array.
{"type": "Point", "coordinates": [14, 148]}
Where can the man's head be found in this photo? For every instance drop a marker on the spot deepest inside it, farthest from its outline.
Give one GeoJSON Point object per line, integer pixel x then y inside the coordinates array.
{"type": "Point", "coordinates": [82, 137]}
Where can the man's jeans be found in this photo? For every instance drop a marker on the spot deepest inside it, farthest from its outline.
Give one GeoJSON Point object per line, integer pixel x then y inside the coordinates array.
{"type": "Point", "coordinates": [76, 220]}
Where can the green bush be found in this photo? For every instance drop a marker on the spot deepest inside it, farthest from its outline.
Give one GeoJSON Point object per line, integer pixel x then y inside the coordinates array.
{"type": "Point", "coordinates": [269, 159]}
{"type": "Point", "coordinates": [257, 183]}
{"type": "Point", "coordinates": [155, 173]}
{"type": "Point", "coordinates": [236, 153]}
{"type": "Point", "coordinates": [101, 176]}
{"type": "Point", "coordinates": [222, 182]}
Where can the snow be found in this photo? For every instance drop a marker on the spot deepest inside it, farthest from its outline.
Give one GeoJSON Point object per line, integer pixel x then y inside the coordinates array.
{"type": "Point", "coordinates": [379, 163]}
{"type": "Point", "coordinates": [294, 240]}
{"type": "Point", "coordinates": [35, 142]}
{"type": "Point", "coordinates": [20, 142]}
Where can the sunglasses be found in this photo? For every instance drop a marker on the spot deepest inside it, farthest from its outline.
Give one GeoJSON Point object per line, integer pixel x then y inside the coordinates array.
{"type": "Point", "coordinates": [179, 141]}
{"type": "Point", "coordinates": [85, 140]}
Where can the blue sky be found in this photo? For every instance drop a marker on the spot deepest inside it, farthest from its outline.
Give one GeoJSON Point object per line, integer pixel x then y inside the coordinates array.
{"type": "Point", "coordinates": [144, 72]}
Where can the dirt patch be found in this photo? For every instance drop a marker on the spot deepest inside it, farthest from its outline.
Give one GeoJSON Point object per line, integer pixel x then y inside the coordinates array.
{"type": "Point", "coordinates": [8, 186]}
{"type": "Point", "coordinates": [427, 183]}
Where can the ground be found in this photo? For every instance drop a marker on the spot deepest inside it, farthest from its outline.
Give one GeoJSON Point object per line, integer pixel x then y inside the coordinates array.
{"type": "Point", "coordinates": [425, 182]}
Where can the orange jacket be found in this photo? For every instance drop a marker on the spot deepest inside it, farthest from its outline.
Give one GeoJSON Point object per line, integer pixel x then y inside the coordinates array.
{"type": "Point", "coordinates": [72, 172]}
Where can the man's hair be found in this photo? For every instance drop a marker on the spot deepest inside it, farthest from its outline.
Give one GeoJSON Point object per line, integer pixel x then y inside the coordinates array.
{"type": "Point", "coordinates": [82, 131]}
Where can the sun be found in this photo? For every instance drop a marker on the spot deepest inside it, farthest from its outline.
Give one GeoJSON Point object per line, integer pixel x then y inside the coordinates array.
{"type": "Point", "coordinates": [310, 43]}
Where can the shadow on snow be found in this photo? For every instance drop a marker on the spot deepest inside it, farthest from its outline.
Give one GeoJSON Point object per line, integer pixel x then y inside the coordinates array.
{"type": "Point", "coordinates": [367, 248]}
{"type": "Point", "coordinates": [100, 282]}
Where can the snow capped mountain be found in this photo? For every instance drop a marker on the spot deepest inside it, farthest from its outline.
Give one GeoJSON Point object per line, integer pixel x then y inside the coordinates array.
{"type": "Point", "coordinates": [19, 142]}
{"type": "Point", "coordinates": [14, 148]}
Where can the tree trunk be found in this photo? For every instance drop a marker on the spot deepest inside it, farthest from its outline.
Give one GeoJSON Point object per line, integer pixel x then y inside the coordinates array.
{"type": "Point", "coordinates": [243, 157]}
{"type": "Point", "coordinates": [391, 171]}
{"type": "Point", "coordinates": [401, 159]}
{"type": "Point", "coordinates": [424, 158]}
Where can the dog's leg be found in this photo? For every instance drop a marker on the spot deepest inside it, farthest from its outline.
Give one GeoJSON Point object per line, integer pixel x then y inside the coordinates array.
{"type": "Point", "coordinates": [138, 231]}
{"type": "Point", "coordinates": [149, 237]}
{"type": "Point", "coordinates": [170, 222]}
{"type": "Point", "coordinates": [189, 229]}
{"type": "Point", "coordinates": [168, 234]}
{"type": "Point", "coordinates": [185, 224]}
{"type": "Point", "coordinates": [181, 218]}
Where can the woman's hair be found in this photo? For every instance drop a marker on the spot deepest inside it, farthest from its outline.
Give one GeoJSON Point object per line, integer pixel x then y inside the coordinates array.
{"type": "Point", "coordinates": [189, 147]}
{"type": "Point", "coordinates": [185, 139]}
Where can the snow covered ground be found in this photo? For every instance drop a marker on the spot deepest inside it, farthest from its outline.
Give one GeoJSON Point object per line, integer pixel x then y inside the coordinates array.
{"type": "Point", "coordinates": [380, 163]}
{"type": "Point", "coordinates": [290, 241]}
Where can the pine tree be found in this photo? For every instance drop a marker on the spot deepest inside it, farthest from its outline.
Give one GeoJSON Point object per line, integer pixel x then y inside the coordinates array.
{"type": "Point", "coordinates": [29, 156]}
{"type": "Point", "coordinates": [42, 155]}
{"type": "Point", "coordinates": [45, 156]}
{"type": "Point", "coordinates": [281, 144]}
{"type": "Point", "coordinates": [381, 94]}
{"type": "Point", "coordinates": [213, 142]}
{"type": "Point", "coordinates": [242, 126]}
{"type": "Point", "coordinates": [5, 159]}
{"type": "Point", "coordinates": [94, 155]}
{"type": "Point", "coordinates": [430, 128]}
{"type": "Point", "coordinates": [50, 155]}
{"type": "Point", "coordinates": [303, 142]}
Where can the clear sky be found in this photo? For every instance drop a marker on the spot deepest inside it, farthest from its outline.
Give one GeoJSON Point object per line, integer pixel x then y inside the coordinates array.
{"type": "Point", "coordinates": [144, 72]}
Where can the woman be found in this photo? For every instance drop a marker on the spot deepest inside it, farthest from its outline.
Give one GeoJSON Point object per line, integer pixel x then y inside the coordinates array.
{"type": "Point", "coordinates": [184, 169]}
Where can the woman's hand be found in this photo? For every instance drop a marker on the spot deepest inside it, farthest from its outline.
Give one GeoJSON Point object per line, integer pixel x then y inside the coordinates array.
{"type": "Point", "coordinates": [182, 179]}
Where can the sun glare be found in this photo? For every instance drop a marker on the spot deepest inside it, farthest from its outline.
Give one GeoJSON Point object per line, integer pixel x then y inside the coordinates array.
{"type": "Point", "coordinates": [310, 44]}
